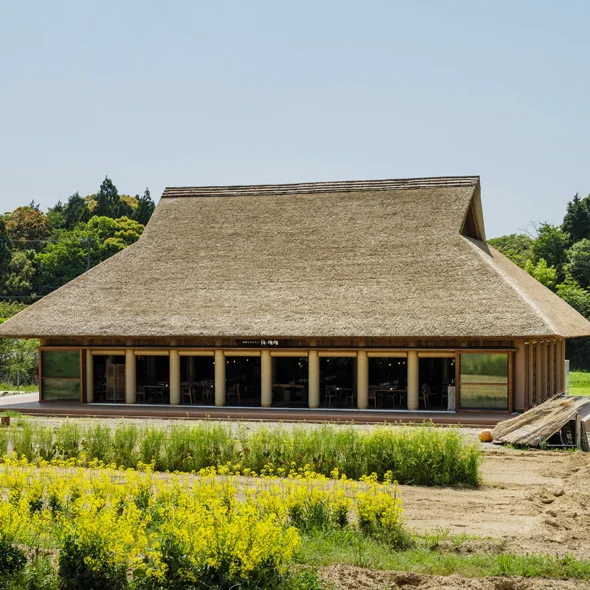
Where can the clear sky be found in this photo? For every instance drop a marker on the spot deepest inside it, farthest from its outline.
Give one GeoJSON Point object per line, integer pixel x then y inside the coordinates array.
{"type": "Point", "coordinates": [192, 92]}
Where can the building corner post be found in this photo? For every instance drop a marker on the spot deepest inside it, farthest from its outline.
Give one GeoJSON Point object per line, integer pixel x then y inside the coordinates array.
{"type": "Point", "coordinates": [314, 379]}
{"type": "Point", "coordinates": [219, 378]}
{"type": "Point", "coordinates": [362, 376]}
{"type": "Point", "coordinates": [174, 377]}
{"type": "Point", "coordinates": [130, 377]}
{"type": "Point", "coordinates": [413, 380]}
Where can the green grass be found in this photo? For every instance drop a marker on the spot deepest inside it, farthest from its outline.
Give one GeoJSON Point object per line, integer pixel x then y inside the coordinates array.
{"type": "Point", "coordinates": [579, 383]}
{"type": "Point", "coordinates": [23, 388]}
{"type": "Point", "coordinates": [414, 455]}
{"type": "Point", "coordinates": [349, 547]}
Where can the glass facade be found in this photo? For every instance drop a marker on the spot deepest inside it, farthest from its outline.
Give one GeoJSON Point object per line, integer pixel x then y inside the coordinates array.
{"type": "Point", "coordinates": [60, 375]}
{"type": "Point", "coordinates": [484, 381]}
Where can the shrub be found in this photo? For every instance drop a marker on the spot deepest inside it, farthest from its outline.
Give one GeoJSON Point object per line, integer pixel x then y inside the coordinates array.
{"type": "Point", "coordinates": [413, 455]}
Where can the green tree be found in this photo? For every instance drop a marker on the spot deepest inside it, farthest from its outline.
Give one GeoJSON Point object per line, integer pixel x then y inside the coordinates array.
{"type": "Point", "coordinates": [578, 297]}
{"type": "Point", "coordinates": [20, 275]}
{"type": "Point", "coordinates": [547, 275]}
{"type": "Point", "coordinates": [550, 244]}
{"type": "Point", "coordinates": [145, 208]}
{"type": "Point", "coordinates": [107, 199]}
{"type": "Point", "coordinates": [5, 250]}
{"type": "Point", "coordinates": [66, 258]}
{"type": "Point", "coordinates": [516, 247]}
{"type": "Point", "coordinates": [576, 223]}
{"type": "Point", "coordinates": [579, 262]}
{"type": "Point", "coordinates": [28, 227]}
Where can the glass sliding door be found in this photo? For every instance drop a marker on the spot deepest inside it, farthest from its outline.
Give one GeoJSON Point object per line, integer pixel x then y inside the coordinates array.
{"type": "Point", "coordinates": [484, 381]}
{"type": "Point", "coordinates": [60, 375]}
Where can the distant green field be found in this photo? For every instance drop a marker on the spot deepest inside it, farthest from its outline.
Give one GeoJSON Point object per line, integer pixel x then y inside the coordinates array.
{"type": "Point", "coordinates": [579, 383]}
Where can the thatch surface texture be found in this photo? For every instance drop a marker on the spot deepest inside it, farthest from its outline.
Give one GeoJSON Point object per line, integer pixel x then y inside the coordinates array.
{"type": "Point", "coordinates": [539, 423]}
{"type": "Point", "coordinates": [371, 260]}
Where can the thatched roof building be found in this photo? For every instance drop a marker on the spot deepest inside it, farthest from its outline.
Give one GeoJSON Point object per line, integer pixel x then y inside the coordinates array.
{"type": "Point", "coordinates": [389, 258]}
{"type": "Point", "coordinates": [396, 265]}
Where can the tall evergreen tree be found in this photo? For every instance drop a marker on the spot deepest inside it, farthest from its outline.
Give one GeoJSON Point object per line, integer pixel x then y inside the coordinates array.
{"type": "Point", "coordinates": [107, 199]}
{"type": "Point", "coordinates": [145, 207]}
{"type": "Point", "coordinates": [576, 223]}
{"type": "Point", "coordinates": [5, 252]}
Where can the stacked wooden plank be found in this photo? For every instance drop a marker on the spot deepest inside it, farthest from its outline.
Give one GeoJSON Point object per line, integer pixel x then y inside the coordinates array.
{"type": "Point", "coordinates": [536, 426]}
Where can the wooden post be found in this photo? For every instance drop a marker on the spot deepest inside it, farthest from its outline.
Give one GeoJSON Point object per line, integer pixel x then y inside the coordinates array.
{"type": "Point", "coordinates": [551, 387]}
{"type": "Point", "coordinates": [219, 378]}
{"type": "Point", "coordinates": [265, 379]}
{"type": "Point", "coordinates": [89, 377]}
{"type": "Point", "coordinates": [130, 377]}
{"type": "Point", "coordinates": [314, 379]}
{"type": "Point", "coordinates": [539, 372]}
{"type": "Point", "coordinates": [578, 431]}
{"type": "Point", "coordinates": [174, 378]}
{"type": "Point", "coordinates": [561, 361]}
{"type": "Point", "coordinates": [531, 375]}
{"type": "Point", "coordinates": [362, 379]}
{"type": "Point", "coordinates": [413, 380]}
{"type": "Point", "coordinates": [519, 379]}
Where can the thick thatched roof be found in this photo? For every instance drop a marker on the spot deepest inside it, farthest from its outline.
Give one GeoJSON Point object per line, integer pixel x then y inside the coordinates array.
{"type": "Point", "coordinates": [391, 258]}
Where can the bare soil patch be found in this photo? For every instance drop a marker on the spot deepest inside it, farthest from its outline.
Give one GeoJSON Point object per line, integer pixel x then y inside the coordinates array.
{"type": "Point", "coordinates": [344, 577]}
{"type": "Point", "coordinates": [531, 502]}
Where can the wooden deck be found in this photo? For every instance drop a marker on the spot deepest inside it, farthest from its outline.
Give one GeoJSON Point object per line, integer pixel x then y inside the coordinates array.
{"type": "Point", "coordinates": [29, 404]}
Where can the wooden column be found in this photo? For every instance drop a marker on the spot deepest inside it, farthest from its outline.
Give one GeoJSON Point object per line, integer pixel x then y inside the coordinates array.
{"type": "Point", "coordinates": [362, 379]}
{"type": "Point", "coordinates": [314, 379]}
{"type": "Point", "coordinates": [174, 378]}
{"type": "Point", "coordinates": [531, 375]}
{"type": "Point", "coordinates": [561, 361]}
{"type": "Point", "coordinates": [265, 379]}
{"type": "Point", "coordinates": [539, 372]}
{"type": "Point", "coordinates": [130, 377]}
{"type": "Point", "coordinates": [519, 378]}
{"type": "Point", "coordinates": [546, 388]}
{"type": "Point", "coordinates": [219, 378]}
{"type": "Point", "coordinates": [558, 367]}
{"type": "Point", "coordinates": [551, 382]}
{"type": "Point", "coordinates": [413, 380]}
{"type": "Point", "coordinates": [89, 377]}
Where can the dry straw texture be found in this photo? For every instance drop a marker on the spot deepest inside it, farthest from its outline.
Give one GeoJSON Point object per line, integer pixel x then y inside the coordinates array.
{"type": "Point", "coordinates": [534, 427]}
{"type": "Point", "coordinates": [365, 259]}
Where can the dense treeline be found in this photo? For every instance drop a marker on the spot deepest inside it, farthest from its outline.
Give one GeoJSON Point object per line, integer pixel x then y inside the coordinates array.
{"type": "Point", "coordinates": [559, 257]}
{"type": "Point", "coordinates": [40, 252]}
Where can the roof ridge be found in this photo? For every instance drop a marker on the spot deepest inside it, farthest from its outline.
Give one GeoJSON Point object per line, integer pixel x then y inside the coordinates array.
{"type": "Point", "coordinates": [322, 187]}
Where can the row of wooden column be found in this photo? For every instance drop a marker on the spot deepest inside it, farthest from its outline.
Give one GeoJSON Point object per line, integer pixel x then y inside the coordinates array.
{"type": "Point", "coordinates": [362, 378]}
{"type": "Point", "coordinates": [544, 370]}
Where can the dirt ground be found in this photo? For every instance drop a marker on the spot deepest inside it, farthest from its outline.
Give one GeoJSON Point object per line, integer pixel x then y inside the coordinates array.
{"type": "Point", "coordinates": [344, 577]}
{"type": "Point", "coordinates": [531, 501]}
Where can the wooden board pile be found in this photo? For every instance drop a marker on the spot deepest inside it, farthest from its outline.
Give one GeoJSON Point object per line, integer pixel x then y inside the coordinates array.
{"type": "Point", "coordinates": [559, 418]}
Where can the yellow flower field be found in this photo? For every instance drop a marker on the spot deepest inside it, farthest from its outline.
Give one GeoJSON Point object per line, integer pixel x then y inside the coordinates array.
{"type": "Point", "coordinates": [121, 529]}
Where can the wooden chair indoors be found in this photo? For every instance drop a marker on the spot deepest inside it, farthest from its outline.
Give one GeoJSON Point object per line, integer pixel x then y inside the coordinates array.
{"type": "Point", "coordinates": [331, 393]}
{"type": "Point", "coordinates": [349, 398]}
{"type": "Point", "coordinates": [425, 392]}
{"type": "Point", "coordinates": [186, 393]}
{"type": "Point", "coordinates": [234, 391]}
{"type": "Point", "coordinates": [207, 392]}
{"type": "Point", "coordinates": [140, 395]}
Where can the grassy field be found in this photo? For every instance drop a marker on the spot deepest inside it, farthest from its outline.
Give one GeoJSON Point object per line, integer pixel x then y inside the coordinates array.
{"type": "Point", "coordinates": [579, 383]}
{"type": "Point", "coordinates": [22, 388]}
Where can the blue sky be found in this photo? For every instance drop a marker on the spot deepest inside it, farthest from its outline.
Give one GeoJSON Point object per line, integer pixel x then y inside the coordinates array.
{"type": "Point", "coordinates": [190, 92]}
